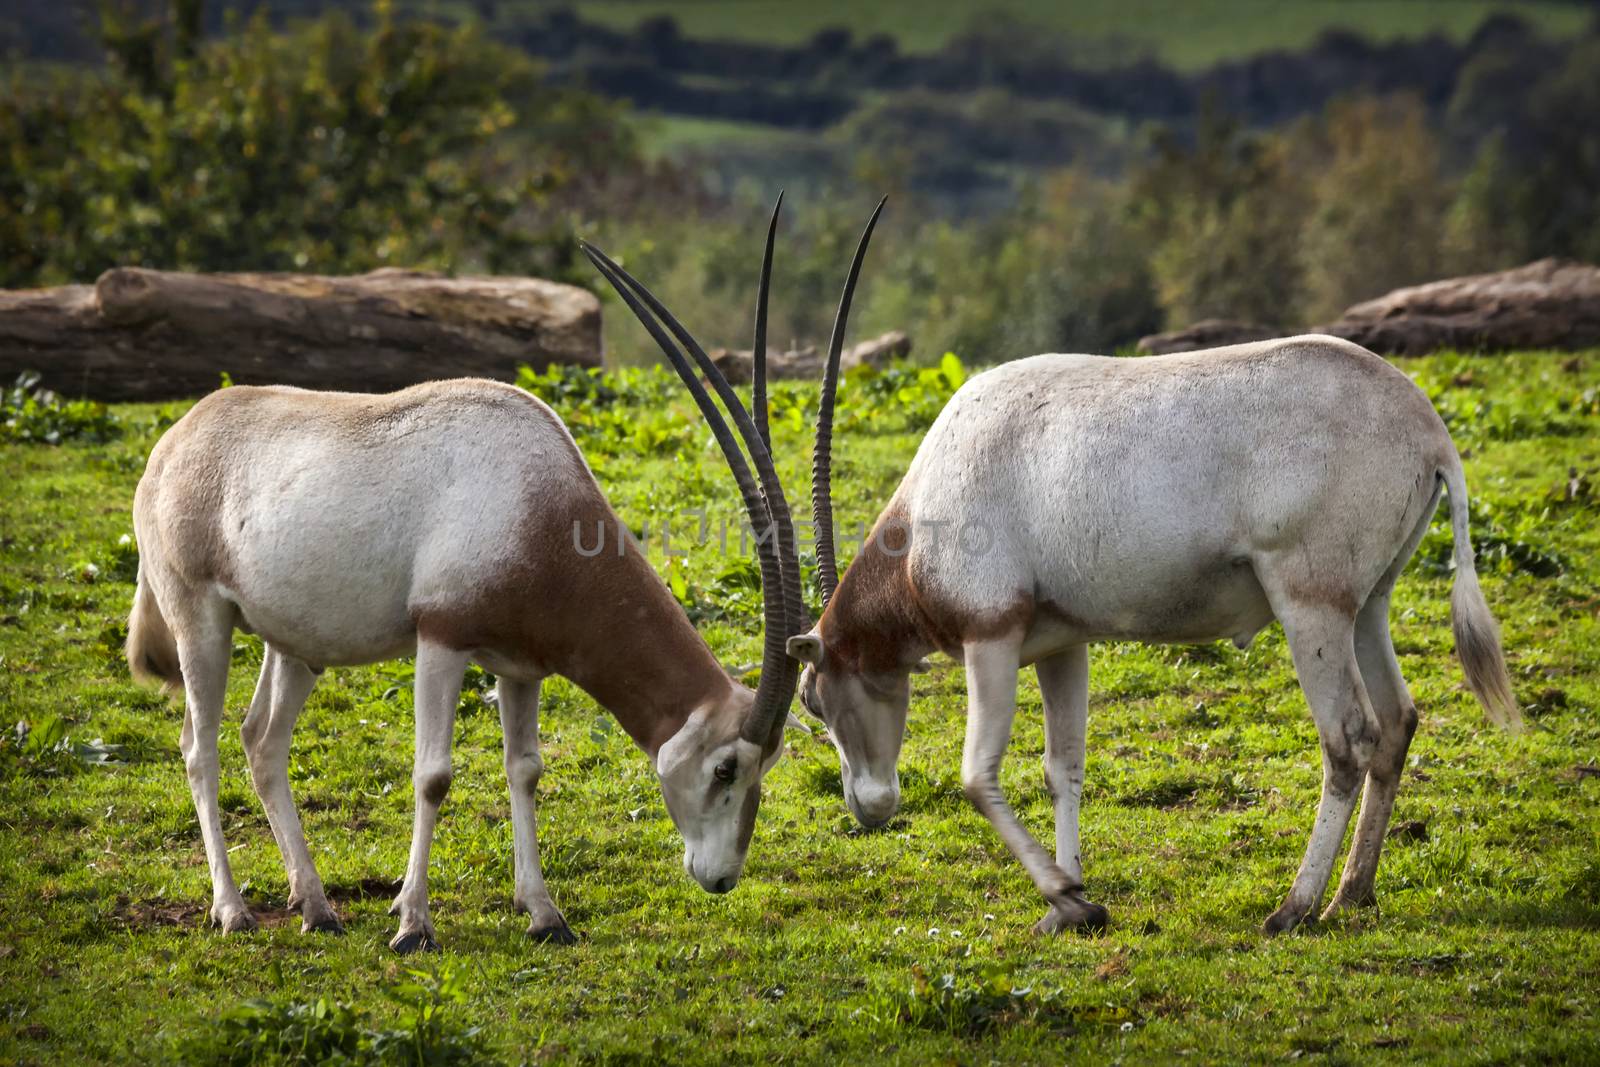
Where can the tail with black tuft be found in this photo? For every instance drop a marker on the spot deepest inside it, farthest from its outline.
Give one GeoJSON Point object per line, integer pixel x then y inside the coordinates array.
{"type": "Point", "coordinates": [1477, 635]}
{"type": "Point", "coordinates": [152, 652]}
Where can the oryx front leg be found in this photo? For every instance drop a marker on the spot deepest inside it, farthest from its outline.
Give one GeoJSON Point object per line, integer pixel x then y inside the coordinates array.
{"type": "Point", "coordinates": [1322, 642]}
{"type": "Point", "coordinates": [205, 646]}
{"type": "Point", "coordinates": [519, 720]}
{"type": "Point", "coordinates": [1064, 684]}
{"type": "Point", "coordinates": [438, 689]}
{"type": "Point", "coordinates": [992, 703]}
{"type": "Point", "coordinates": [280, 696]}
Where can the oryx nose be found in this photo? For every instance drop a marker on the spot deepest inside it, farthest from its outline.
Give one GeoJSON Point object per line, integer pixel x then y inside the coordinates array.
{"type": "Point", "coordinates": [875, 804]}
{"type": "Point", "coordinates": [725, 883]}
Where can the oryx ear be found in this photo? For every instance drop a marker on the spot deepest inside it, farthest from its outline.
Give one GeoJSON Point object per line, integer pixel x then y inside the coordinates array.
{"type": "Point", "coordinates": [922, 666]}
{"type": "Point", "coordinates": [807, 648]}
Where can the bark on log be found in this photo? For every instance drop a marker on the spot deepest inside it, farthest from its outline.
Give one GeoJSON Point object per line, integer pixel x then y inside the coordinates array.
{"type": "Point", "coordinates": [1550, 303]}
{"type": "Point", "coordinates": [806, 363]}
{"type": "Point", "coordinates": [155, 335]}
{"type": "Point", "coordinates": [1207, 333]}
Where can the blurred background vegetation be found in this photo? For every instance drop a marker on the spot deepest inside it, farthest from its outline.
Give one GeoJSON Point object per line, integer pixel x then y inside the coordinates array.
{"type": "Point", "coordinates": [1064, 177]}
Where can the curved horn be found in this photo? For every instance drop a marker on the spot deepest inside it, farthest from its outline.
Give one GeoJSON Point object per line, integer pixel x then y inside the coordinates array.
{"type": "Point", "coordinates": [799, 620]}
{"type": "Point", "coordinates": [758, 354]}
{"type": "Point", "coordinates": [768, 511]}
{"type": "Point", "coordinates": [822, 457]}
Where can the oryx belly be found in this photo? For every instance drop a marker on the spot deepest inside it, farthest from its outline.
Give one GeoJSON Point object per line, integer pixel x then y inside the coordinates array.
{"type": "Point", "coordinates": [1138, 498]}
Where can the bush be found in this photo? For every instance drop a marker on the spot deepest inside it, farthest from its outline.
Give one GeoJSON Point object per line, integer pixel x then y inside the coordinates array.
{"type": "Point", "coordinates": [330, 148]}
{"type": "Point", "coordinates": [31, 414]}
{"type": "Point", "coordinates": [263, 1033]}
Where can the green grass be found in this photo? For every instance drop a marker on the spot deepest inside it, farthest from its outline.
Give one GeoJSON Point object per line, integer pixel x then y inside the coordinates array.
{"type": "Point", "coordinates": [906, 945]}
{"type": "Point", "coordinates": [1188, 33]}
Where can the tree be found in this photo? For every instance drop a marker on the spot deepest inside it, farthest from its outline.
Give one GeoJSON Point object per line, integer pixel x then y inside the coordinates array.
{"type": "Point", "coordinates": [329, 148]}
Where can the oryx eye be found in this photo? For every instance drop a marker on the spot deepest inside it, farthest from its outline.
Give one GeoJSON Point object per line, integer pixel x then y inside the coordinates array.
{"type": "Point", "coordinates": [726, 771]}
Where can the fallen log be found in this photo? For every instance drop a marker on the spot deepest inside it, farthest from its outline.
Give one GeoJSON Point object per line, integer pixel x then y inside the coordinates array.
{"type": "Point", "coordinates": [156, 335]}
{"type": "Point", "coordinates": [1550, 303]}
{"type": "Point", "coordinates": [806, 363]}
{"type": "Point", "coordinates": [1207, 333]}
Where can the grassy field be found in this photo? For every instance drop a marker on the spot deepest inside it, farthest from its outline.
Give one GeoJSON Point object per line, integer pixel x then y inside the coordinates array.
{"type": "Point", "coordinates": [1187, 33]}
{"type": "Point", "coordinates": [906, 945]}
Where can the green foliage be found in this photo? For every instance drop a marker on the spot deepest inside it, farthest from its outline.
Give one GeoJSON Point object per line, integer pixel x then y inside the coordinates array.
{"type": "Point", "coordinates": [1504, 540]}
{"type": "Point", "coordinates": [268, 1033]}
{"type": "Point", "coordinates": [30, 413]}
{"type": "Point", "coordinates": [897, 398]}
{"type": "Point", "coordinates": [329, 148]}
{"type": "Point", "coordinates": [44, 748]}
{"type": "Point", "coordinates": [628, 411]}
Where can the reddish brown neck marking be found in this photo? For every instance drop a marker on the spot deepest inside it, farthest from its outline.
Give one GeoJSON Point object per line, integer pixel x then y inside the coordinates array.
{"type": "Point", "coordinates": [606, 622]}
{"type": "Point", "coordinates": [873, 621]}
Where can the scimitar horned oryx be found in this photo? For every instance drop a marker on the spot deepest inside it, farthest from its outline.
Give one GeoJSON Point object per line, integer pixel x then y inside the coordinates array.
{"type": "Point", "coordinates": [455, 520]}
{"type": "Point", "coordinates": [1064, 499]}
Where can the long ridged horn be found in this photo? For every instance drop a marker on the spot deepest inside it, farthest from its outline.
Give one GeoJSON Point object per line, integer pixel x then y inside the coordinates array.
{"type": "Point", "coordinates": [765, 504]}
{"type": "Point", "coordinates": [799, 620]}
{"type": "Point", "coordinates": [758, 356]}
{"type": "Point", "coordinates": [822, 457]}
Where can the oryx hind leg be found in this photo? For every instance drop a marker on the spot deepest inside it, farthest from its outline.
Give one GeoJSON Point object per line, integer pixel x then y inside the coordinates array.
{"type": "Point", "coordinates": [519, 721]}
{"type": "Point", "coordinates": [992, 703]}
{"type": "Point", "coordinates": [1397, 722]}
{"type": "Point", "coordinates": [281, 695]}
{"type": "Point", "coordinates": [1322, 641]}
{"type": "Point", "coordinates": [1064, 684]}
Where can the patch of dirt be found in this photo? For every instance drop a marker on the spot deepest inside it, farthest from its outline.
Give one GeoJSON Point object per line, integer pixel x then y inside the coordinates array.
{"type": "Point", "coordinates": [1114, 967]}
{"type": "Point", "coordinates": [365, 889]}
{"type": "Point", "coordinates": [154, 914]}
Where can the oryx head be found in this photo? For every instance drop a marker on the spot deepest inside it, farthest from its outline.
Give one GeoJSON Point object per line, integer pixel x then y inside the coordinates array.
{"type": "Point", "coordinates": [864, 707]}
{"type": "Point", "coordinates": [710, 775]}
{"type": "Point", "coordinates": [711, 770]}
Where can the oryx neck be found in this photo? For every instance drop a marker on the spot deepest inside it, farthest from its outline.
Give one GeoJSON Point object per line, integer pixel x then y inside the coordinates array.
{"type": "Point", "coordinates": [648, 667]}
{"type": "Point", "coordinates": [873, 622]}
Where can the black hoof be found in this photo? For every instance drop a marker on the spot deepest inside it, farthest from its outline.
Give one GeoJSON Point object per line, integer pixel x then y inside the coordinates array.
{"type": "Point", "coordinates": [1075, 914]}
{"type": "Point", "coordinates": [1095, 918]}
{"type": "Point", "coordinates": [558, 933]}
{"type": "Point", "coordinates": [328, 924]}
{"type": "Point", "coordinates": [1282, 921]}
{"type": "Point", "coordinates": [419, 941]}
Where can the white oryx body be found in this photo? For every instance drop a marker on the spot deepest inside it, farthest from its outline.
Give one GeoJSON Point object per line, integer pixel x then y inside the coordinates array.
{"type": "Point", "coordinates": [439, 520]}
{"type": "Point", "coordinates": [1065, 499]}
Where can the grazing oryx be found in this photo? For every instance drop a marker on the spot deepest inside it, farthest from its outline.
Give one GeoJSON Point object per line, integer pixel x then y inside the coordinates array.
{"type": "Point", "coordinates": [1179, 498]}
{"type": "Point", "coordinates": [452, 520]}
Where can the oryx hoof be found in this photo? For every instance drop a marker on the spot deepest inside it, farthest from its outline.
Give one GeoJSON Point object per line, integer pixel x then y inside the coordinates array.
{"type": "Point", "coordinates": [552, 933]}
{"type": "Point", "coordinates": [1075, 914]}
{"type": "Point", "coordinates": [325, 923]}
{"type": "Point", "coordinates": [408, 941]}
{"type": "Point", "coordinates": [233, 919]}
{"type": "Point", "coordinates": [1343, 907]}
{"type": "Point", "coordinates": [1288, 916]}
